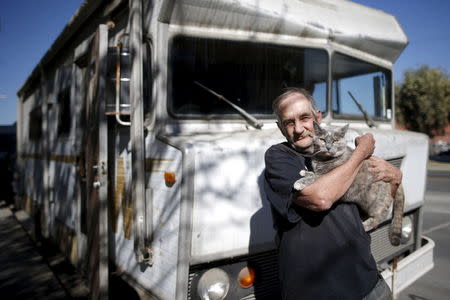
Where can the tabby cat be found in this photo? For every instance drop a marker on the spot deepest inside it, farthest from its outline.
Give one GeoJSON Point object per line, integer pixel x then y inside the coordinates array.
{"type": "Point", "coordinates": [373, 198]}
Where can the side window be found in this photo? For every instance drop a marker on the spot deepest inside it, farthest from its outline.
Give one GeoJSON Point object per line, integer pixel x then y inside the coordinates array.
{"type": "Point", "coordinates": [35, 124]}
{"type": "Point", "coordinates": [64, 112]}
{"type": "Point", "coordinates": [360, 86]}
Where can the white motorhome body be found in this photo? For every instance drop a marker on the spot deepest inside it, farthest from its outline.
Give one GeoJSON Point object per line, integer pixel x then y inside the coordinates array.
{"type": "Point", "coordinates": [129, 154]}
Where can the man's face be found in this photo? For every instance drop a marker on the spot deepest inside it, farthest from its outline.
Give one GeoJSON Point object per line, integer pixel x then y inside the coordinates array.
{"type": "Point", "coordinates": [296, 122]}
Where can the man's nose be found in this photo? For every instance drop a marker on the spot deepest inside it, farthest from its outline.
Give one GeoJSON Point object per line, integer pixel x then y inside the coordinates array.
{"type": "Point", "coordinates": [299, 127]}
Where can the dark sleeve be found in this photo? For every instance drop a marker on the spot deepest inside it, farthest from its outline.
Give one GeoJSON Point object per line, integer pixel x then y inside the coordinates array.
{"type": "Point", "coordinates": [282, 170]}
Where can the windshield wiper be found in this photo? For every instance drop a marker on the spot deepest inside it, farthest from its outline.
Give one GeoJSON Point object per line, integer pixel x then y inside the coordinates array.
{"type": "Point", "coordinates": [250, 119]}
{"type": "Point", "coordinates": [367, 117]}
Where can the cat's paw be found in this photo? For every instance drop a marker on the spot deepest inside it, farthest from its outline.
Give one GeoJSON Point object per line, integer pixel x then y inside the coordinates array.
{"type": "Point", "coordinates": [307, 174]}
{"type": "Point", "coordinates": [370, 224]}
{"type": "Point", "coordinates": [307, 179]}
{"type": "Point", "coordinates": [299, 185]}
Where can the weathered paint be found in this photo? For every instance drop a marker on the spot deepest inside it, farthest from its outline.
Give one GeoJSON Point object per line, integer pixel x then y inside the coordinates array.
{"type": "Point", "coordinates": [166, 201]}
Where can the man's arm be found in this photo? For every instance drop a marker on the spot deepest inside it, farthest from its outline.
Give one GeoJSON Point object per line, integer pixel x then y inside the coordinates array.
{"type": "Point", "coordinates": [329, 187]}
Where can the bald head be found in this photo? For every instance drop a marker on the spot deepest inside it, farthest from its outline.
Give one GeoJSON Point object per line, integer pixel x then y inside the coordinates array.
{"type": "Point", "coordinates": [302, 93]}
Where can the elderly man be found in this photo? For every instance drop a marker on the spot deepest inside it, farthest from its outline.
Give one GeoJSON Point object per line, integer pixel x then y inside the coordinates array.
{"type": "Point", "coordinates": [324, 252]}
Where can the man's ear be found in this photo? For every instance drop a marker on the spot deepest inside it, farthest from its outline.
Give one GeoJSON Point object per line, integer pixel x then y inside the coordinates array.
{"type": "Point", "coordinates": [319, 116]}
{"type": "Point", "coordinates": [281, 128]}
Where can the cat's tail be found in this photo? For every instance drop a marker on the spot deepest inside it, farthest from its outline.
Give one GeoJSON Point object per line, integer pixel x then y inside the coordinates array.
{"type": "Point", "coordinates": [395, 232]}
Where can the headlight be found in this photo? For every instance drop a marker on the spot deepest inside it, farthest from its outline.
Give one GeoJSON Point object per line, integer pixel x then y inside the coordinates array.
{"type": "Point", "coordinates": [407, 229]}
{"type": "Point", "coordinates": [213, 285]}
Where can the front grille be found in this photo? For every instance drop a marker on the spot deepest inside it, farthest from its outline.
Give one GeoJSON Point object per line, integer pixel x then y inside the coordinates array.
{"type": "Point", "coordinates": [381, 247]}
{"type": "Point", "coordinates": [396, 161]}
{"type": "Point", "coordinates": [268, 284]}
{"type": "Point", "coordinates": [191, 277]}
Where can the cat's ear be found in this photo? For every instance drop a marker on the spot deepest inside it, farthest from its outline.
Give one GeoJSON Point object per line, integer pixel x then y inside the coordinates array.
{"type": "Point", "coordinates": [317, 128]}
{"type": "Point", "coordinates": [340, 133]}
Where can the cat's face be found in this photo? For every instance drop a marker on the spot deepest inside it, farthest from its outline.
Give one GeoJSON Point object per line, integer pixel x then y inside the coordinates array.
{"type": "Point", "coordinates": [329, 143]}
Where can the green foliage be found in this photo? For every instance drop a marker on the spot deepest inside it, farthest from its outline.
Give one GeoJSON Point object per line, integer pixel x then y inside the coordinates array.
{"type": "Point", "coordinates": [398, 112]}
{"type": "Point", "coordinates": [423, 100]}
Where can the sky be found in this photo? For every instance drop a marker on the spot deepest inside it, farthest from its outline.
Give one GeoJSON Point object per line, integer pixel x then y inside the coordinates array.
{"type": "Point", "coordinates": [29, 28]}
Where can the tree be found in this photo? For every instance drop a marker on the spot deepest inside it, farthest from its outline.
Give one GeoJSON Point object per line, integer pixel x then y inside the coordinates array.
{"type": "Point", "coordinates": [423, 100]}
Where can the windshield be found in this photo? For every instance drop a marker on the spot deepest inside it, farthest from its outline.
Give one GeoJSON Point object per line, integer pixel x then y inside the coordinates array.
{"type": "Point", "coordinates": [250, 75]}
{"type": "Point", "coordinates": [358, 82]}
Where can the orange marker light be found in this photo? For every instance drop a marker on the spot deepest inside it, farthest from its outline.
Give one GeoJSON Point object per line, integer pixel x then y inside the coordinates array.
{"type": "Point", "coordinates": [246, 277]}
{"type": "Point", "coordinates": [169, 178]}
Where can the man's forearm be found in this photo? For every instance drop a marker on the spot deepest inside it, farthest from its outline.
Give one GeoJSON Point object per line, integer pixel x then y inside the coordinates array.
{"type": "Point", "coordinates": [330, 187]}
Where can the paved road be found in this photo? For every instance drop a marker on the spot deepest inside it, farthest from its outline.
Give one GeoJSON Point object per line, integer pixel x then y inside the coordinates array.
{"type": "Point", "coordinates": [435, 285]}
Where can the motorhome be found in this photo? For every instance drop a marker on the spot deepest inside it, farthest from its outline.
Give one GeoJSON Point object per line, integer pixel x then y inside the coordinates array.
{"type": "Point", "coordinates": [142, 131]}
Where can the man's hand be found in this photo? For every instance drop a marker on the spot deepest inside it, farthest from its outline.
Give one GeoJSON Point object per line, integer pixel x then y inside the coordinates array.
{"type": "Point", "coordinates": [365, 144]}
{"type": "Point", "coordinates": [386, 172]}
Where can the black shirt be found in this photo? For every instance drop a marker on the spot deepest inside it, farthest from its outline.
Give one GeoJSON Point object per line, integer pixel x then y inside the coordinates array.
{"type": "Point", "coordinates": [322, 255]}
